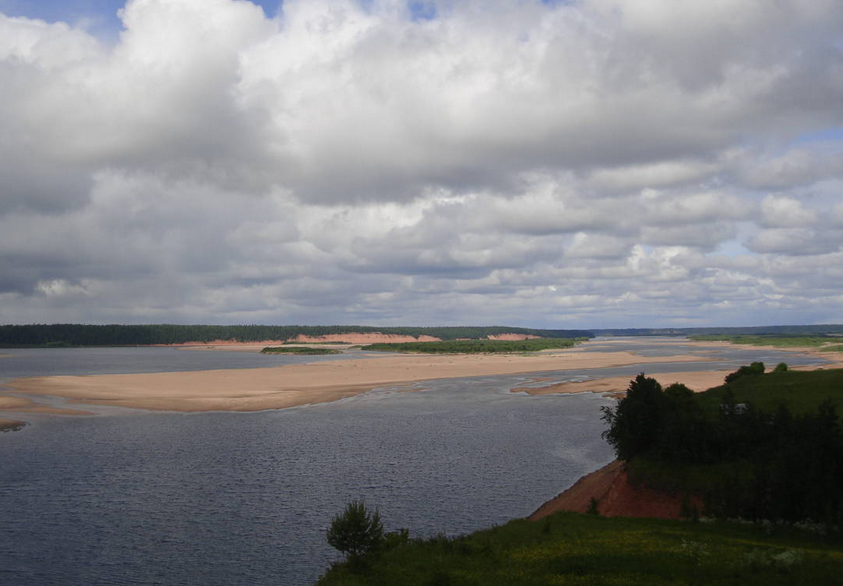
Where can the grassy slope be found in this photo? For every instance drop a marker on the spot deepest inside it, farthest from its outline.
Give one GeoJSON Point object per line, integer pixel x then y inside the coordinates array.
{"type": "Point", "coordinates": [571, 548]}
{"type": "Point", "coordinates": [801, 391]}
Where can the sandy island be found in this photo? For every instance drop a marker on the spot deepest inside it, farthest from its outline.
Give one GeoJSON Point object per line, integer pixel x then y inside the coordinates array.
{"type": "Point", "coordinates": [300, 384]}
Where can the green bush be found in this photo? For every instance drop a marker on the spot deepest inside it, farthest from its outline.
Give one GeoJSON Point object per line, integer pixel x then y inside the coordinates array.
{"type": "Point", "coordinates": [356, 531]}
{"type": "Point", "coordinates": [754, 369]}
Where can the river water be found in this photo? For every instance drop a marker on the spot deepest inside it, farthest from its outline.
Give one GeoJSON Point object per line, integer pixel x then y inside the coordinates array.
{"type": "Point", "coordinates": [137, 497]}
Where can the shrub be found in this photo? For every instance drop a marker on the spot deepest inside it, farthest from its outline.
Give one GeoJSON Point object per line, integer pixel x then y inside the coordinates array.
{"type": "Point", "coordinates": [356, 531]}
{"type": "Point", "coordinates": [754, 369]}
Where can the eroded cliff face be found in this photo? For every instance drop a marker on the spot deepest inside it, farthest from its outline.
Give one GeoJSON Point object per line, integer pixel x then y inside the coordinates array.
{"type": "Point", "coordinates": [616, 497]}
{"type": "Point", "coordinates": [364, 338]}
{"type": "Point", "coordinates": [512, 337]}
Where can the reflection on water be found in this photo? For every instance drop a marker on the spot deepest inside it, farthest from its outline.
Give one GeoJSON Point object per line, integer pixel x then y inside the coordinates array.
{"type": "Point", "coordinates": [244, 498]}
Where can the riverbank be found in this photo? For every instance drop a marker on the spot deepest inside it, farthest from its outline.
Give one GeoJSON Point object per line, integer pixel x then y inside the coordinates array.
{"type": "Point", "coordinates": [10, 425]}
{"type": "Point", "coordinates": [696, 381]}
{"type": "Point", "coordinates": [835, 358]}
{"type": "Point", "coordinates": [300, 384]}
{"type": "Point", "coordinates": [616, 496]}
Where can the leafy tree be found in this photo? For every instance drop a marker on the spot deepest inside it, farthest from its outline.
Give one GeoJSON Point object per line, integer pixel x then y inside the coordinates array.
{"type": "Point", "coordinates": [754, 369]}
{"type": "Point", "coordinates": [356, 531]}
{"type": "Point", "coordinates": [781, 367]}
{"type": "Point", "coordinates": [637, 421]}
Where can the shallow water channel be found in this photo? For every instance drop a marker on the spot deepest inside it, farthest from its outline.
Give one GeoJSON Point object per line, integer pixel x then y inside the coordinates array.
{"type": "Point", "coordinates": [136, 497]}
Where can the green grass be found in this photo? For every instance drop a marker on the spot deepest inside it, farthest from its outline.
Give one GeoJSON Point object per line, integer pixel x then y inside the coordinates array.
{"type": "Point", "coordinates": [477, 346]}
{"type": "Point", "coordinates": [800, 391]}
{"type": "Point", "coordinates": [298, 350]}
{"type": "Point", "coordinates": [776, 341]}
{"type": "Point", "coordinates": [570, 548]}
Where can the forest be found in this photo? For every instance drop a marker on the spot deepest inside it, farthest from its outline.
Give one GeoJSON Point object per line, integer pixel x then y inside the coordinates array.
{"type": "Point", "coordinates": [64, 335]}
{"type": "Point", "coordinates": [761, 446]}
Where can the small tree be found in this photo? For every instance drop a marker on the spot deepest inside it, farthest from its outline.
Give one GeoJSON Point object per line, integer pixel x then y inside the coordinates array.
{"type": "Point", "coordinates": [636, 423]}
{"type": "Point", "coordinates": [356, 531]}
{"type": "Point", "coordinates": [754, 369]}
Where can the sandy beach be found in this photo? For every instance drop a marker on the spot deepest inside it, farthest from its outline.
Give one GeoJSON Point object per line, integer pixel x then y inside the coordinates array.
{"type": "Point", "coordinates": [9, 404]}
{"type": "Point", "coordinates": [300, 384]}
{"type": "Point", "coordinates": [696, 381]}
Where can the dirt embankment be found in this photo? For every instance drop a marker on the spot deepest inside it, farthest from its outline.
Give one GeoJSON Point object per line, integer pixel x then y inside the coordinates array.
{"type": "Point", "coordinates": [352, 338]}
{"type": "Point", "coordinates": [364, 338]}
{"type": "Point", "coordinates": [513, 337]}
{"type": "Point", "coordinates": [349, 338]}
{"type": "Point", "coordinates": [616, 497]}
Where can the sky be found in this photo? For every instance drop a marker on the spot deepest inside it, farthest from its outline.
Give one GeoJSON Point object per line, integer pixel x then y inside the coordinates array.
{"type": "Point", "coordinates": [580, 164]}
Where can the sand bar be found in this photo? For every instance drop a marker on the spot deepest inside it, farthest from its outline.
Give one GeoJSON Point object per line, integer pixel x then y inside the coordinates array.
{"type": "Point", "coordinates": [10, 425]}
{"type": "Point", "coordinates": [696, 381]}
{"type": "Point", "coordinates": [299, 384]}
{"type": "Point", "coordinates": [21, 405]}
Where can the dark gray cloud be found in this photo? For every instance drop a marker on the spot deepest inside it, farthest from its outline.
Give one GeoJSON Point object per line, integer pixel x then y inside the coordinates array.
{"type": "Point", "coordinates": [600, 163]}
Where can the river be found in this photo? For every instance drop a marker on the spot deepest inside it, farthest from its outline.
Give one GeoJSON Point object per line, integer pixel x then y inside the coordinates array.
{"type": "Point", "coordinates": [137, 497]}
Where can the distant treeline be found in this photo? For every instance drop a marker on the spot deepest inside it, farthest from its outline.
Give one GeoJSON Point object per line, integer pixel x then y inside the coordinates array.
{"type": "Point", "coordinates": [815, 330]}
{"type": "Point", "coordinates": [477, 346]}
{"type": "Point", "coordinates": [57, 335]}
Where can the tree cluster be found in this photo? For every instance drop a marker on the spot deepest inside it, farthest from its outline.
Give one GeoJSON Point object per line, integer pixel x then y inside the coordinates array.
{"type": "Point", "coordinates": [754, 369]}
{"type": "Point", "coordinates": [763, 465]}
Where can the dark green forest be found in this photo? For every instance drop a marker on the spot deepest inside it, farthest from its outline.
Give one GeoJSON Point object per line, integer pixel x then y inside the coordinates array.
{"type": "Point", "coordinates": [59, 335]}
{"type": "Point", "coordinates": [763, 446]}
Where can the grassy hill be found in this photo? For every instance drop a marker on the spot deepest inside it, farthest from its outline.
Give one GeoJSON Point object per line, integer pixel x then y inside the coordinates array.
{"type": "Point", "coordinates": [572, 548]}
{"type": "Point", "coordinates": [801, 391]}
{"type": "Point", "coordinates": [773, 456]}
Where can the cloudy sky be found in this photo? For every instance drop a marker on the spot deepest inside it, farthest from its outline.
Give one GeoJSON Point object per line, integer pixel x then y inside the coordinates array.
{"type": "Point", "coordinates": [592, 163]}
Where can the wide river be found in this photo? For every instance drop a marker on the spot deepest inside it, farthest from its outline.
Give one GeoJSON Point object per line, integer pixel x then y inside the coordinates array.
{"type": "Point", "coordinates": [137, 497]}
